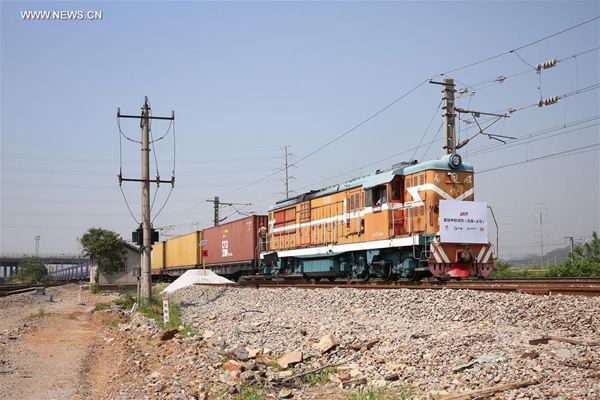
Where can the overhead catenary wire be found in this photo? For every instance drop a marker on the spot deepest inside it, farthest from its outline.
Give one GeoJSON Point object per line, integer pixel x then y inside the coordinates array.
{"type": "Point", "coordinates": [583, 149]}
{"type": "Point", "coordinates": [497, 80]}
{"type": "Point", "coordinates": [427, 130]}
{"type": "Point", "coordinates": [391, 104]}
{"type": "Point", "coordinates": [518, 48]}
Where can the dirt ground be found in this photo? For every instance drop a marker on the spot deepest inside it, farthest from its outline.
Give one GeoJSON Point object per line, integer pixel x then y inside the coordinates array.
{"type": "Point", "coordinates": [61, 355]}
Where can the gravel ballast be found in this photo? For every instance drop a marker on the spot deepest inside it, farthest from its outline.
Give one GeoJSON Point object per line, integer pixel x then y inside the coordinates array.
{"type": "Point", "coordinates": [424, 336]}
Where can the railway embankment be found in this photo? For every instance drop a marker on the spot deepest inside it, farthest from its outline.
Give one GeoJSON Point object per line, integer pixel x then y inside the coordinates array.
{"type": "Point", "coordinates": [337, 343]}
{"type": "Point", "coordinates": [343, 343]}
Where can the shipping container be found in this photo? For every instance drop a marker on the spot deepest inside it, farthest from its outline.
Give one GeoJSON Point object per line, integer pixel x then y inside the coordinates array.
{"type": "Point", "coordinates": [158, 256]}
{"type": "Point", "coordinates": [183, 251]}
{"type": "Point", "coordinates": [234, 245]}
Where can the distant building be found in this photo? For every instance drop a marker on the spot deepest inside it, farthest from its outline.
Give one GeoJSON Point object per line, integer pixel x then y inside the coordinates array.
{"type": "Point", "coordinates": [125, 276]}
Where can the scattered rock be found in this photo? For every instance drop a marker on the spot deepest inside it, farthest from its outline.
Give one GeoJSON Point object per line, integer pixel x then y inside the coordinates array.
{"type": "Point", "coordinates": [289, 359]}
{"type": "Point", "coordinates": [327, 343]}
{"type": "Point", "coordinates": [168, 334]}
{"type": "Point", "coordinates": [286, 374]}
{"type": "Point", "coordinates": [232, 365]}
{"type": "Point", "coordinates": [253, 353]}
{"type": "Point", "coordinates": [239, 353]}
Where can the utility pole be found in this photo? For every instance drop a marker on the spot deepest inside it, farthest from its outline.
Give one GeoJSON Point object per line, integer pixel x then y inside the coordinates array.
{"type": "Point", "coordinates": [146, 243]}
{"type": "Point", "coordinates": [571, 239]}
{"type": "Point", "coordinates": [287, 179]}
{"type": "Point", "coordinates": [218, 204]}
{"type": "Point", "coordinates": [286, 156]}
{"type": "Point", "coordinates": [541, 209]}
{"type": "Point", "coordinates": [37, 245]}
{"type": "Point", "coordinates": [449, 116]}
{"type": "Point", "coordinates": [146, 249]}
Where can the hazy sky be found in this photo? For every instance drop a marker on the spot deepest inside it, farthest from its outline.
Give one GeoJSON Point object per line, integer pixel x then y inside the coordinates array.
{"type": "Point", "coordinates": [247, 78]}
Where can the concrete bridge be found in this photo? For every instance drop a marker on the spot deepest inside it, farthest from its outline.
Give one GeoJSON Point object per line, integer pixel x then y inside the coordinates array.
{"type": "Point", "coordinates": [9, 262]}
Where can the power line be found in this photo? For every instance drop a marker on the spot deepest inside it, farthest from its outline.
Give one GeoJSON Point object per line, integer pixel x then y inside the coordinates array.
{"type": "Point", "coordinates": [566, 152]}
{"type": "Point", "coordinates": [427, 130]}
{"type": "Point", "coordinates": [391, 104]}
{"type": "Point", "coordinates": [519, 48]}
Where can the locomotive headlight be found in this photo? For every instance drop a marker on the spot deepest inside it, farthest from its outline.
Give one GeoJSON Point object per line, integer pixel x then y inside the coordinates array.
{"type": "Point", "coordinates": [455, 160]}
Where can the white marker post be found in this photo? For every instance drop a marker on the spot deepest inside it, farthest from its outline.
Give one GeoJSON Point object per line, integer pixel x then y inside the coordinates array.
{"type": "Point", "coordinates": [166, 310]}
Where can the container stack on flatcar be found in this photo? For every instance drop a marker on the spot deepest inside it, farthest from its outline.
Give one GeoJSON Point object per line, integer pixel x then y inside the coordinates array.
{"type": "Point", "coordinates": [232, 250]}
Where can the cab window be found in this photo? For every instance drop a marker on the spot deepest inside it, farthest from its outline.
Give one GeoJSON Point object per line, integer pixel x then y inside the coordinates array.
{"type": "Point", "coordinates": [396, 190]}
{"type": "Point", "coordinates": [379, 195]}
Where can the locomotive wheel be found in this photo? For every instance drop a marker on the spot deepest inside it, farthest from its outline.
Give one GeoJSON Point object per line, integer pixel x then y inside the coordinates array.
{"type": "Point", "coordinates": [317, 279]}
{"type": "Point", "coordinates": [331, 278]}
{"type": "Point", "coordinates": [387, 276]}
{"type": "Point", "coordinates": [414, 276]}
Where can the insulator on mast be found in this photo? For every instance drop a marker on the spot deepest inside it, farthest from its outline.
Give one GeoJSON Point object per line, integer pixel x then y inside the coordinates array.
{"type": "Point", "coordinates": [549, 101]}
{"type": "Point", "coordinates": [547, 64]}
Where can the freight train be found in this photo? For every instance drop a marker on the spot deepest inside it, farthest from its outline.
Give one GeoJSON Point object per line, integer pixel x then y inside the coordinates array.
{"type": "Point", "coordinates": [412, 221]}
{"type": "Point", "coordinates": [76, 272]}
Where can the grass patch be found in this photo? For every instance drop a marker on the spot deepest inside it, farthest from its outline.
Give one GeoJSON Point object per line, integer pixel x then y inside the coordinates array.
{"type": "Point", "coordinates": [40, 314]}
{"type": "Point", "coordinates": [126, 301]}
{"type": "Point", "coordinates": [102, 306]}
{"type": "Point", "coordinates": [154, 310]}
{"type": "Point", "coordinates": [94, 289]}
{"type": "Point", "coordinates": [381, 393]}
{"type": "Point", "coordinates": [320, 377]}
{"type": "Point", "coordinates": [251, 392]}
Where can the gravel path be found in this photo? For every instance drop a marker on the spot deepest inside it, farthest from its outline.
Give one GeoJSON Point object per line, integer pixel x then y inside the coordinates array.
{"type": "Point", "coordinates": [47, 357]}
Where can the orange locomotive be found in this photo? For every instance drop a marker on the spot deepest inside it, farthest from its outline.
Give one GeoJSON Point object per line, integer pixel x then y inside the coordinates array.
{"type": "Point", "coordinates": [412, 221]}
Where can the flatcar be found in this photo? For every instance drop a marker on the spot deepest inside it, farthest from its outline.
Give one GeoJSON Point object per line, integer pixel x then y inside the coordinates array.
{"type": "Point", "coordinates": [231, 250]}
{"type": "Point", "coordinates": [412, 221]}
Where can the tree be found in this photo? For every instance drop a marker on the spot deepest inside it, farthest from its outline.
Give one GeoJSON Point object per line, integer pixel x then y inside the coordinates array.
{"type": "Point", "coordinates": [33, 269]}
{"type": "Point", "coordinates": [105, 248]}
{"type": "Point", "coordinates": [584, 260]}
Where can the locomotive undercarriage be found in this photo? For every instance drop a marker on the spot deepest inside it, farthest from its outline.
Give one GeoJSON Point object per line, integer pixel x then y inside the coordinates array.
{"type": "Point", "coordinates": [388, 264]}
{"type": "Point", "coordinates": [385, 264]}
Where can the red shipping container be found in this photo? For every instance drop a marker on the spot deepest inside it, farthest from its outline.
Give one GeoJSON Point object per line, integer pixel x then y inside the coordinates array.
{"type": "Point", "coordinates": [233, 242]}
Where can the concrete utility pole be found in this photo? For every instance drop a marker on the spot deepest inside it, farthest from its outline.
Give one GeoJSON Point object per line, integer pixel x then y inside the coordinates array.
{"type": "Point", "coordinates": [37, 245]}
{"type": "Point", "coordinates": [146, 249]}
{"type": "Point", "coordinates": [571, 239]}
{"type": "Point", "coordinates": [449, 116]}
{"type": "Point", "coordinates": [146, 243]}
{"type": "Point", "coordinates": [218, 203]}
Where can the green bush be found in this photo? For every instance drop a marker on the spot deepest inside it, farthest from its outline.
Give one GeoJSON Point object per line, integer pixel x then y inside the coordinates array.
{"type": "Point", "coordinates": [583, 261]}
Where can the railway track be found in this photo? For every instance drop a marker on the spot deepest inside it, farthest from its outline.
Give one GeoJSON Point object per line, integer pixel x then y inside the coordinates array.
{"type": "Point", "coordinates": [535, 286]}
{"type": "Point", "coordinates": [9, 290]}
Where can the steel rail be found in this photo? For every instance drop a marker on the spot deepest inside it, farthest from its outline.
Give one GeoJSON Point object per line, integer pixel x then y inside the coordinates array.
{"type": "Point", "coordinates": [9, 290]}
{"type": "Point", "coordinates": [529, 287]}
